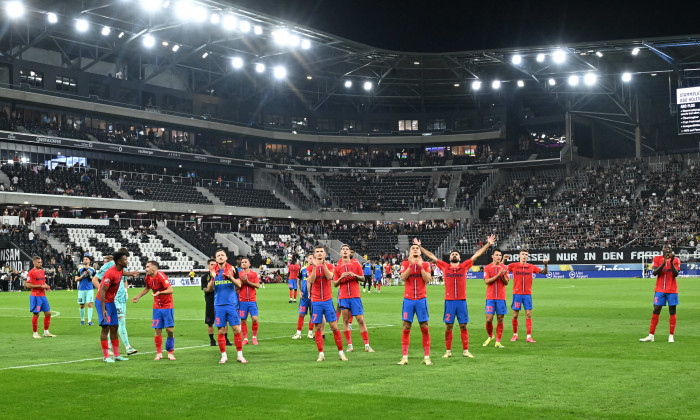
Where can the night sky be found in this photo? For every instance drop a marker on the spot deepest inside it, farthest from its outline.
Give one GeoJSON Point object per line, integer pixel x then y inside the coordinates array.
{"type": "Point", "coordinates": [439, 26]}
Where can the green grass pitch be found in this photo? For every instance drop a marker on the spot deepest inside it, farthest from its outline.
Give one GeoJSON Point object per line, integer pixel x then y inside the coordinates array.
{"type": "Point", "coordinates": [587, 362]}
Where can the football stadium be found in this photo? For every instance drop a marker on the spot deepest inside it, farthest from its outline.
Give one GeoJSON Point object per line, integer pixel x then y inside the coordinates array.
{"type": "Point", "coordinates": [307, 209]}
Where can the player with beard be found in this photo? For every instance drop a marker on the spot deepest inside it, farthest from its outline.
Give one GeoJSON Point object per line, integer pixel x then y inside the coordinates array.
{"type": "Point", "coordinates": [415, 273]}
{"type": "Point", "coordinates": [666, 268]}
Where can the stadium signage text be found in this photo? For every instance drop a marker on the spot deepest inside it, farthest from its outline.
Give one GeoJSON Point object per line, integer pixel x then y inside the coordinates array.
{"type": "Point", "coordinates": [587, 256]}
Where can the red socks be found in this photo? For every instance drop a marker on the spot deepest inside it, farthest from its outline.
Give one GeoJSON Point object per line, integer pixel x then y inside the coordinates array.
{"type": "Point", "coordinates": [528, 326]}
{"type": "Point", "coordinates": [465, 339]}
{"type": "Point", "coordinates": [158, 339]}
{"type": "Point", "coordinates": [115, 347]}
{"type": "Point", "coordinates": [365, 337]}
{"type": "Point", "coordinates": [35, 322]}
{"type": "Point", "coordinates": [290, 293]}
{"type": "Point", "coordinates": [654, 323]}
{"type": "Point", "coordinates": [350, 320]}
{"type": "Point", "coordinates": [672, 324]}
{"type": "Point", "coordinates": [426, 341]}
{"type": "Point", "coordinates": [499, 332]}
{"type": "Point", "coordinates": [515, 325]}
{"type": "Point", "coordinates": [255, 328]}
{"type": "Point", "coordinates": [348, 336]}
{"type": "Point", "coordinates": [319, 341]}
{"type": "Point", "coordinates": [405, 341]}
{"type": "Point", "coordinates": [47, 322]}
{"type": "Point", "coordinates": [221, 338]}
{"type": "Point", "coordinates": [379, 287]}
{"type": "Point", "coordinates": [311, 324]}
{"type": "Point", "coordinates": [244, 328]}
{"type": "Point", "coordinates": [300, 323]}
{"type": "Point", "coordinates": [238, 341]}
{"type": "Point", "coordinates": [448, 339]}
{"type": "Point", "coordinates": [295, 294]}
{"type": "Point", "coordinates": [105, 347]}
{"type": "Point", "coordinates": [338, 339]}
{"type": "Point", "coordinates": [489, 329]}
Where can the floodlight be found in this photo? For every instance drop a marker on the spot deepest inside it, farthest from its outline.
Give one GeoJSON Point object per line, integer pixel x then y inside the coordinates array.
{"type": "Point", "coordinates": [573, 80]}
{"type": "Point", "coordinates": [260, 67]}
{"type": "Point", "coordinates": [626, 76]}
{"type": "Point", "coordinates": [552, 82]}
{"type": "Point", "coordinates": [280, 72]}
{"type": "Point", "coordinates": [149, 41]}
{"type": "Point", "coordinates": [51, 17]}
{"type": "Point", "coordinates": [517, 59]}
{"type": "Point", "coordinates": [590, 79]}
{"type": "Point", "coordinates": [367, 86]}
{"type": "Point", "coordinates": [237, 62]}
{"type": "Point", "coordinates": [106, 30]}
{"type": "Point", "coordinates": [14, 9]}
{"type": "Point", "coordinates": [496, 84]}
{"type": "Point", "coordinates": [540, 57]}
{"type": "Point", "coordinates": [521, 83]}
{"type": "Point", "coordinates": [559, 56]}
{"type": "Point", "coordinates": [476, 85]}
{"type": "Point", "coordinates": [306, 44]}
{"type": "Point", "coordinates": [348, 83]}
{"type": "Point", "coordinates": [82, 25]}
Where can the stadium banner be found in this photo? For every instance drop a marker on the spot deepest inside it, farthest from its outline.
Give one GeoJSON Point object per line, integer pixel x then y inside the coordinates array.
{"type": "Point", "coordinates": [192, 157]}
{"type": "Point", "coordinates": [184, 281]}
{"type": "Point", "coordinates": [599, 256]}
{"type": "Point", "coordinates": [13, 257]}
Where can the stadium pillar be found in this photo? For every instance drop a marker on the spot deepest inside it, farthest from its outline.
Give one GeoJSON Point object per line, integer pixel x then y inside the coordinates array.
{"type": "Point", "coordinates": [569, 134]}
{"type": "Point", "coordinates": [637, 133]}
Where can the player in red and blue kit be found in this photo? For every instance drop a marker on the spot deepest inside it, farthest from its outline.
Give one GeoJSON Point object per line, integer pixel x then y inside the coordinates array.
{"type": "Point", "coordinates": [319, 277]}
{"type": "Point", "coordinates": [455, 275]}
{"type": "Point", "coordinates": [666, 268]}
{"type": "Point", "coordinates": [496, 279]}
{"type": "Point", "coordinates": [304, 301]}
{"type": "Point", "coordinates": [522, 292]}
{"type": "Point", "coordinates": [224, 282]}
{"type": "Point", "coordinates": [163, 312]}
{"type": "Point", "coordinates": [347, 275]}
{"type": "Point", "coordinates": [415, 273]}
{"type": "Point", "coordinates": [106, 308]}
{"type": "Point", "coordinates": [293, 269]}
{"type": "Point", "coordinates": [36, 282]}
{"type": "Point", "coordinates": [248, 300]}
{"type": "Point", "coordinates": [378, 277]}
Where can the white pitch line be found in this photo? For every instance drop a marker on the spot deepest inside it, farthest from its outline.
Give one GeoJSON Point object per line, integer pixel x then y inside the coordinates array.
{"type": "Point", "coordinates": [147, 352]}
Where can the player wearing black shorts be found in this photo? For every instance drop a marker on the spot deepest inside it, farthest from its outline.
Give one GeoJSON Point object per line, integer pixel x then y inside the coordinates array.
{"type": "Point", "coordinates": [209, 299]}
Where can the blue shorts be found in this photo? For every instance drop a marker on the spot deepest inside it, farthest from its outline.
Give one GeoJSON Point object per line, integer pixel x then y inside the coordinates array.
{"type": "Point", "coordinates": [112, 317]}
{"type": "Point", "coordinates": [86, 296]}
{"type": "Point", "coordinates": [39, 304]}
{"type": "Point", "coordinates": [353, 304]}
{"type": "Point", "coordinates": [293, 284]}
{"type": "Point", "coordinates": [304, 306]}
{"type": "Point", "coordinates": [244, 308]}
{"type": "Point", "coordinates": [163, 318]}
{"type": "Point", "coordinates": [419, 308]}
{"type": "Point", "coordinates": [226, 313]}
{"type": "Point", "coordinates": [661, 298]}
{"type": "Point", "coordinates": [377, 279]}
{"type": "Point", "coordinates": [321, 309]}
{"type": "Point", "coordinates": [496, 306]}
{"type": "Point", "coordinates": [455, 309]}
{"type": "Point", "coordinates": [521, 302]}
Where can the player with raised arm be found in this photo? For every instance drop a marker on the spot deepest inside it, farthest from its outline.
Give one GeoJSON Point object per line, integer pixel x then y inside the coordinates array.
{"type": "Point", "coordinates": [224, 281]}
{"type": "Point", "coordinates": [304, 301]}
{"type": "Point", "coordinates": [107, 310]}
{"type": "Point", "coordinates": [347, 275]}
{"type": "Point", "coordinates": [36, 283]}
{"type": "Point", "coordinates": [496, 279]}
{"type": "Point", "coordinates": [522, 291]}
{"type": "Point", "coordinates": [455, 275]}
{"type": "Point", "coordinates": [248, 300]}
{"type": "Point", "coordinates": [319, 277]}
{"type": "Point", "coordinates": [163, 312]}
{"type": "Point", "coordinates": [86, 296]}
{"type": "Point", "coordinates": [415, 273]}
{"type": "Point", "coordinates": [666, 268]}
{"type": "Point", "coordinates": [293, 269]}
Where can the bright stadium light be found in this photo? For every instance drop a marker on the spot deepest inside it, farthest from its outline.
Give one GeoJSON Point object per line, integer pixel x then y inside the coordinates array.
{"type": "Point", "coordinates": [626, 77]}
{"type": "Point", "coordinates": [559, 56]}
{"type": "Point", "coordinates": [367, 86]}
{"type": "Point", "coordinates": [599, 53]}
{"type": "Point", "coordinates": [348, 83]}
{"type": "Point", "coordinates": [573, 80]}
{"type": "Point", "coordinates": [517, 59]}
{"type": "Point", "coordinates": [496, 84]}
{"type": "Point", "coordinates": [82, 25]}
{"type": "Point", "coordinates": [106, 30]}
{"type": "Point", "coordinates": [176, 47]}
{"type": "Point", "coordinates": [121, 35]}
{"type": "Point", "coordinates": [187, 10]}
{"type": "Point", "coordinates": [590, 79]}
{"type": "Point", "coordinates": [244, 26]}
{"type": "Point", "coordinates": [260, 67]}
{"type": "Point", "coordinates": [149, 41]}
{"type": "Point", "coordinates": [237, 62]}
{"type": "Point", "coordinates": [14, 9]}
{"type": "Point", "coordinates": [280, 72]}
{"type": "Point", "coordinates": [229, 22]}
{"type": "Point", "coordinates": [294, 40]}
{"type": "Point", "coordinates": [151, 5]}
{"type": "Point", "coordinates": [521, 83]}
{"type": "Point", "coordinates": [552, 82]}
{"type": "Point", "coordinates": [305, 44]}
{"type": "Point", "coordinates": [257, 30]}
{"type": "Point", "coordinates": [205, 55]}
{"type": "Point", "coordinates": [51, 17]}
{"type": "Point", "coordinates": [476, 85]}
{"type": "Point", "coordinates": [215, 18]}
{"type": "Point", "coordinates": [281, 36]}
{"type": "Point", "coordinates": [540, 58]}
{"type": "Point", "coordinates": [635, 51]}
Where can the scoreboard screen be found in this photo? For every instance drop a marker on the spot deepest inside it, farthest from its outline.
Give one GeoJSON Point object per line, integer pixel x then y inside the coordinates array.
{"type": "Point", "coordinates": [688, 102]}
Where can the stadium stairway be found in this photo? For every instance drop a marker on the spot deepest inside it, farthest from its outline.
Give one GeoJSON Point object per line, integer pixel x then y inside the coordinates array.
{"type": "Point", "coordinates": [404, 242]}
{"type": "Point", "coordinates": [4, 179]}
{"type": "Point", "coordinates": [225, 241]}
{"type": "Point", "coordinates": [115, 187]}
{"type": "Point", "coordinates": [453, 190]}
{"type": "Point", "coordinates": [197, 255]}
{"type": "Point", "coordinates": [208, 194]}
{"type": "Point", "coordinates": [237, 240]}
{"type": "Point", "coordinates": [269, 182]}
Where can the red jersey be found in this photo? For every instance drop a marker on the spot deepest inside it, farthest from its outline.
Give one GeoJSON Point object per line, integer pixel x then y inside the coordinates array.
{"type": "Point", "coordinates": [349, 287]}
{"type": "Point", "coordinates": [522, 277]}
{"type": "Point", "coordinates": [321, 289]}
{"type": "Point", "coordinates": [37, 277]}
{"type": "Point", "coordinates": [158, 283]}
{"type": "Point", "coordinates": [455, 279]}
{"type": "Point", "coordinates": [110, 281]}
{"type": "Point", "coordinates": [387, 270]}
{"type": "Point", "coordinates": [294, 271]}
{"type": "Point", "coordinates": [247, 293]}
{"type": "Point", "coordinates": [495, 290]}
{"type": "Point", "coordinates": [665, 282]}
{"type": "Point", "coordinates": [414, 287]}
